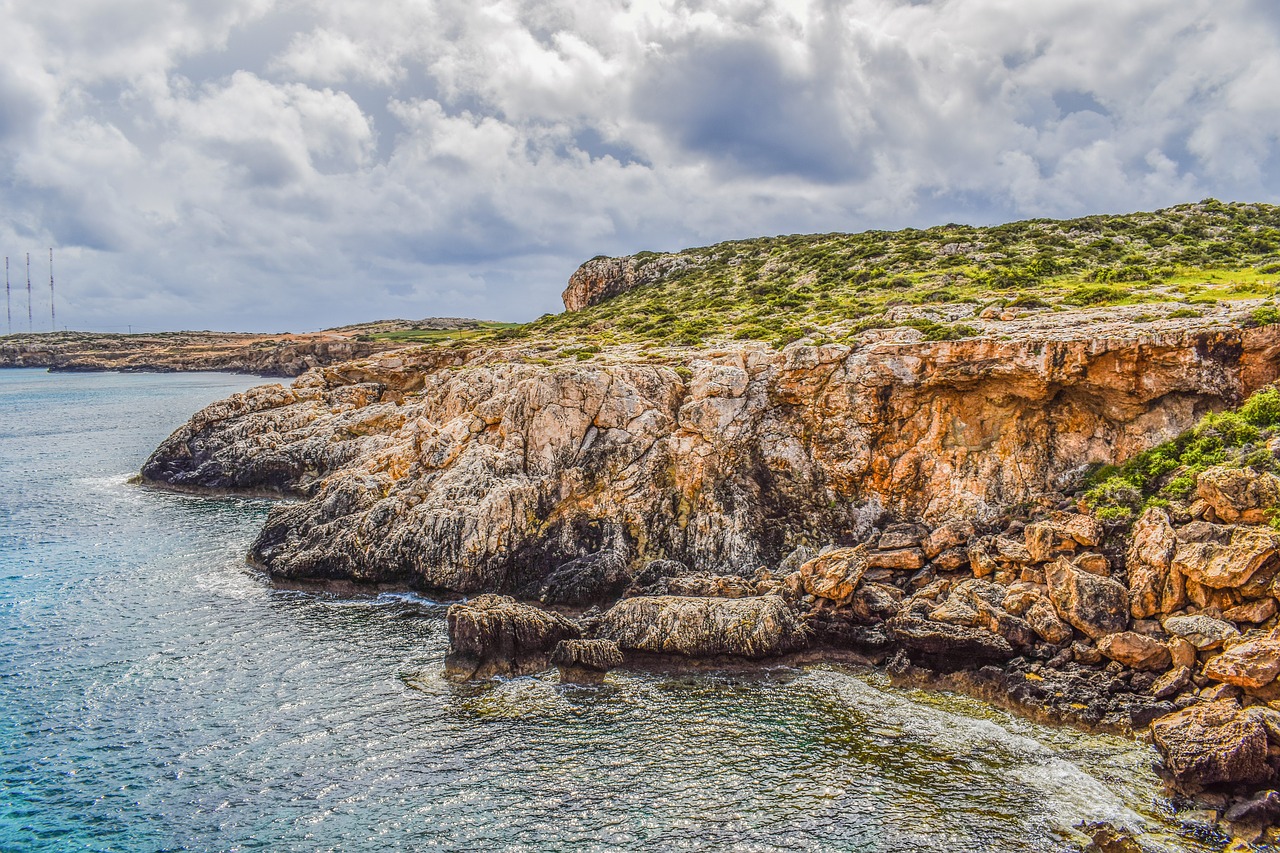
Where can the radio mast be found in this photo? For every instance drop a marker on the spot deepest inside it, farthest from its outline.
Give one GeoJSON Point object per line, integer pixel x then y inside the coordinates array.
{"type": "Point", "coordinates": [29, 327]}
{"type": "Point", "coordinates": [53, 315]}
{"type": "Point", "coordinates": [8, 306]}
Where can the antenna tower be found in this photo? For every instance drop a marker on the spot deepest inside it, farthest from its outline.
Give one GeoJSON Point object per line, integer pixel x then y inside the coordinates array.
{"type": "Point", "coordinates": [53, 315]}
{"type": "Point", "coordinates": [29, 327]}
{"type": "Point", "coordinates": [8, 306]}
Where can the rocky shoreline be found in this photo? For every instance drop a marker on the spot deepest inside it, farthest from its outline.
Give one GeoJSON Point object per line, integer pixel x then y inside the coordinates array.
{"type": "Point", "coordinates": [908, 504]}
{"type": "Point", "coordinates": [261, 355]}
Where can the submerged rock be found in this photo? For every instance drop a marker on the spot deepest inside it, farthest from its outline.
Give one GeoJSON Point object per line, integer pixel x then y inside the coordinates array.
{"type": "Point", "coordinates": [758, 627]}
{"type": "Point", "coordinates": [497, 635]}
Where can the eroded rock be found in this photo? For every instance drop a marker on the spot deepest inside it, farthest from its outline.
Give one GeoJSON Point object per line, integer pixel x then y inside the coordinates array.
{"type": "Point", "coordinates": [758, 627]}
{"type": "Point", "coordinates": [1136, 651]}
{"type": "Point", "coordinates": [1211, 744]}
{"type": "Point", "coordinates": [497, 635]}
{"type": "Point", "coordinates": [1095, 605]}
{"type": "Point", "coordinates": [1251, 665]}
{"type": "Point", "coordinates": [1239, 494]}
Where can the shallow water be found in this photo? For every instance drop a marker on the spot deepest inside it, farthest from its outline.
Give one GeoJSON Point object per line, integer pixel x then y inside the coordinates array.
{"type": "Point", "coordinates": [156, 694]}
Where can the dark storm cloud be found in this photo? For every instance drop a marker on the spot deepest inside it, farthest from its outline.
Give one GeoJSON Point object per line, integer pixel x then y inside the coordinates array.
{"type": "Point", "coordinates": [731, 102]}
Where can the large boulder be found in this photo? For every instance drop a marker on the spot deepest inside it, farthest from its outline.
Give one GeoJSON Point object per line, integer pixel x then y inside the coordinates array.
{"type": "Point", "coordinates": [1095, 605]}
{"type": "Point", "coordinates": [1154, 587]}
{"type": "Point", "coordinates": [946, 537]}
{"type": "Point", "coordinates": [1136, 651]}
{"type": "Point", "coordinates": [834, 575]}
{"type": "Point", "coordinates": [703, 627]}
{"type": "Point", "coordinates": [1221, 565]}
{"type": "Point", "coordinates": [1239, 494]}
{"type": "Point", "coordinates": [497, 635]}
{"type": "Point", "coordinates": [955, 644]}
{"type": "Point", "coordinates": [1203, 632]}
{"type": "Point", "coordinates": [1251, 665]}
{"type": "Point", "coordinates": [1212, 744]}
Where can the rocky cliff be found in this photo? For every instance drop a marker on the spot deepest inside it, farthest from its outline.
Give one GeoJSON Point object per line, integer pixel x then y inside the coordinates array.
{"type": "Point", "coordinates": [471, 470]}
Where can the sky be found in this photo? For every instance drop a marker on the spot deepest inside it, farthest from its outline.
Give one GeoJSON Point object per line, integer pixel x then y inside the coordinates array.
{"type": "Point", "coordinates": [290, 165]}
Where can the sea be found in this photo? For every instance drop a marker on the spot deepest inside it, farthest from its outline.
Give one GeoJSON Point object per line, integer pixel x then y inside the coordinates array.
{"type": "Point", "coordinates": [158, 694]}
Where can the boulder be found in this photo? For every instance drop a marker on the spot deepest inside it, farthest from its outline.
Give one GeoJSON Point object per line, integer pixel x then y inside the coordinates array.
{"type": "Point", "coordinates": [703, 627]}
{"type": "Point", "coordinates": [1182, 652]}
{"type": "Point", "coordinates": [1211, 744]}
{"type": "Point", "coordinates": [1239, 494]}
{"type": "Point", "coordinates": [1095, 605]}
{"type": "Point", "coordinates": [1251, 665]}
{"type": "Point", "coordinates": [835, 575]}
{"type": "Point", "coordinates": [1252, 611]}
{"type": "Point", "coordinates": [956, 643]}
{"type": "Point", "coordinates": [1044, 620]}
{"type": "Point", "coordinates": [981, 559]}
{"type": "Point", "coordinates": [951, 560]}
{"type": "Point", "coordinates": [951, 535]}
{"type": "Point", "coordinates": [1220, 565]}
{"type": "Point", "coordinates": [497, 635]}
{"type": "Point", "coordinates": [1093, 563]}
{"type": "Point", "coordinates": [1260, 811]}
{"type": "Point", "coordinates": [655, 571]}
{"type": "Point", "coordinates": [903, 560]}
{"type": "Point", "coordinates": [1171, 683]}
{"type": "Point", "coordinates": [593, 655]}
{"type": "Point", "coordinates": [899, 536]}
{"type": "Point", "coordinates": [593, 579]}
{"type": "Point", "coordinates": [1154, 587]}
{"type": "Point", "coordinates": [1062, 531]}
{"type": "Point", "coordinates": [1203, 632]}
{"type": "Point", "coordinates": [875, 602]}
{"type": "Point", "coordinates": [1136, 651]}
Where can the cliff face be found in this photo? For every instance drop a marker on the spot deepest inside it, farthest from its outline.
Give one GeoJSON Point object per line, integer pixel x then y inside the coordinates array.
{"type": "Point", "coordinates": [474, 470]}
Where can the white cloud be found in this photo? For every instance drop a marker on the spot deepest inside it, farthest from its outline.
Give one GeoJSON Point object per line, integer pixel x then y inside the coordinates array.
{"type": "Point", "coordinates": [299, 163]}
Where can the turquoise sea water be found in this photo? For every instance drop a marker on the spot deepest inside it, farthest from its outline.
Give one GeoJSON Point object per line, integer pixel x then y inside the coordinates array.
{"type": "Point", "coordinates": [156, 694]}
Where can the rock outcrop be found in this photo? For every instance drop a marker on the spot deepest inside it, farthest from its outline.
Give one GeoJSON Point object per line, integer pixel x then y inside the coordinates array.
{"type": "Point", "coordinates": [756, 627]}
{"type": "Point", "coordinates": [497, 635]}
{"type": "Point", "coordinates": [472, 470]}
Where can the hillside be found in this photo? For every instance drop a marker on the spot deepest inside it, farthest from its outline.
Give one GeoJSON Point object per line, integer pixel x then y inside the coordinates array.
{"type": "Point", "coordinates": [948, 281]}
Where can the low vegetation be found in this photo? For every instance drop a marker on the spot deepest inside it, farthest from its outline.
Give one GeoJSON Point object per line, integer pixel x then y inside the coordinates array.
{"type": "Point", "coordinates": [838, 286]}
{"type": "Point", "coordinates": [1166, 475]}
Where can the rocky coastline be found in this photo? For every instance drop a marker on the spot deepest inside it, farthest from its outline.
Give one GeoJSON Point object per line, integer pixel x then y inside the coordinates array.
{"type": "Point", "coordinates": [909, 504]}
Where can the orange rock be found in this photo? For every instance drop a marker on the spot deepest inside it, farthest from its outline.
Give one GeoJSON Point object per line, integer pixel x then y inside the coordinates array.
{"type": "Point", "coordinates": [1251, 664]}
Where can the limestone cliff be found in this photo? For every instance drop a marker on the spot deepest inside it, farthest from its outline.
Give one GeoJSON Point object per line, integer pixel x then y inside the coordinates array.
{"type": "Point", "coordinates": [480, 469]}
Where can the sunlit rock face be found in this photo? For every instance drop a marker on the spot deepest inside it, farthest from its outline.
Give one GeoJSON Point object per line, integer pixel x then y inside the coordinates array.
{"type": "Point", "coordinates": [478, 469]}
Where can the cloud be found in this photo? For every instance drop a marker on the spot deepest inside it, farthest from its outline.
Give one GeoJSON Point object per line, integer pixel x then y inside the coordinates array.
{"type": "Point", "coordinates": [271, 164]}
